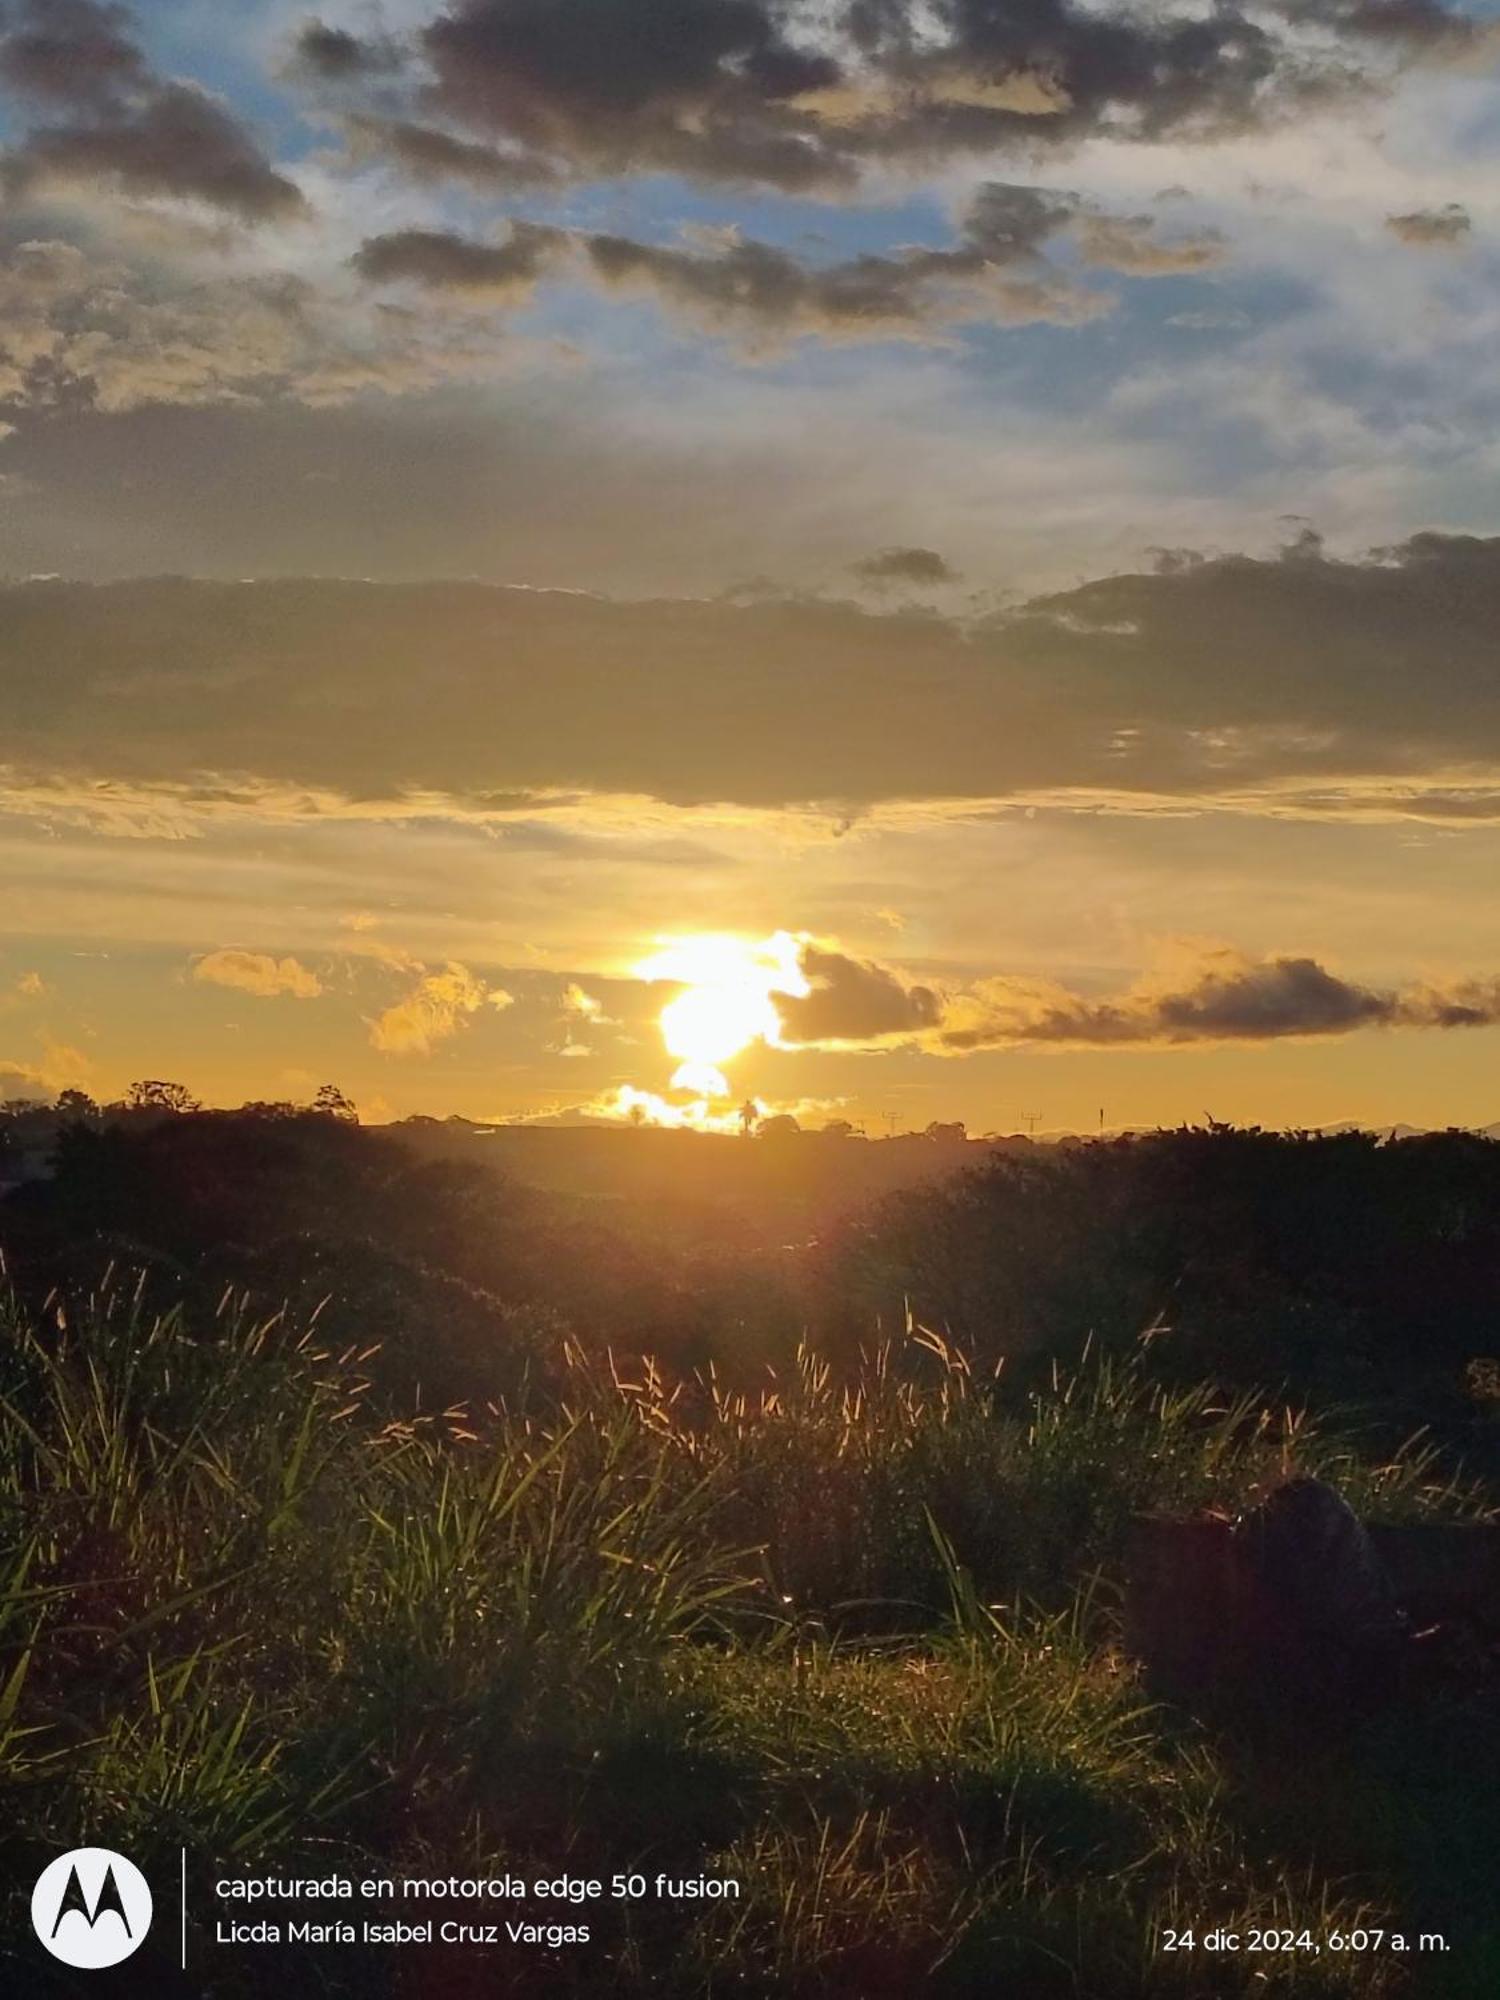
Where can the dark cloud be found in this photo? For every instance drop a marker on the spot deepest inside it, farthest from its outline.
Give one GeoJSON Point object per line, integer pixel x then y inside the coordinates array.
{"type": "Point", "coordinates": [122, 125]}
{"type": "Point", "coordinates": [696, 86]}
{"type": "Point", "coordinates": [336, 55]}
{"type": "Point", "coordinates": [852, 1000]}
{"type": "Point", "coordinates": [1432, 228]}
{"type": "Point", "coordinates": [896, 566]}
{"type": "Point", "coordinates": [732, 284]}
{"type": "Point", "coordinates": [71, 53]}
{"type": "Point", "coordinates": [995, 270]}
{"type": "Point", "coordinates": [443, 261]}
{"type": "Point", "coordinates": [1292, 662]}
{"type": "Point", "coordinates": [178, 143]}
{"type": "Point", "coordinates": [1472, 1003]}
{"type": "Point", "coordinates": [1258, 1002]}
{"type": "Point", "coordinates": [1283, 685]}
{"type": "Point", "coordinates": [750, 285]}
{"type": "Point", "coordinates": [803, 96]}
{"type": "Point", "coordinates": [1227, 997]}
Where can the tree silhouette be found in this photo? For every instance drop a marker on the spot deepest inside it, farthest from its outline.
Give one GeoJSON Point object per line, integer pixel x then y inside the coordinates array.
{"type": "Point", "coordinates": [155, 1094]}
{"type": "Point", "coordinates": [331, 1102]}
{"type": "Point", "coordinates": [781, 1125]}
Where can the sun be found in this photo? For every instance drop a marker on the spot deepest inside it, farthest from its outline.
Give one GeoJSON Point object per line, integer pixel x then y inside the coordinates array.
{"type": "Point", "coordinates": [726, 1001]}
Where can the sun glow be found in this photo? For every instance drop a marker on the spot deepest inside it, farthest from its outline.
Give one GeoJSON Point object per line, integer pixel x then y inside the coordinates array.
{"type": "Point", "coordinates": [726, 1003]}
{"type": "Point", "coordinates": [632, 1106]}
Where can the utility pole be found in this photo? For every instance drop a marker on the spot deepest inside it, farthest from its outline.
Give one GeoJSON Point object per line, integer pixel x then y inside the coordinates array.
{"type": "Point", "coordinates": [1030, 1119]}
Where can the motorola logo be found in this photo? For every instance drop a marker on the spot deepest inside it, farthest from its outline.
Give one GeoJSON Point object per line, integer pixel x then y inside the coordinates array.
{"type": "Point", "coordinates": [91, 1908]}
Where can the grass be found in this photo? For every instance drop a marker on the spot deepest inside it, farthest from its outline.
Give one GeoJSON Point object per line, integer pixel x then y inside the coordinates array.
{"type": "Point", "coordinates": [849, 1640]}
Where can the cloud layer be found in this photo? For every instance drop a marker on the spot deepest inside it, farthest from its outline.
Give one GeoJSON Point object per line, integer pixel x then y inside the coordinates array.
{"type": "Point", "coordinates": [1226, 997]}
{"type": "Point", "coordinates": [1296, 684]}
{"type": "Point", "coordinates": [805, 98]}
{"type": "Point", "coordinates": [1203, 995]}
{"type": "Point", "coordinates": [997, 270]}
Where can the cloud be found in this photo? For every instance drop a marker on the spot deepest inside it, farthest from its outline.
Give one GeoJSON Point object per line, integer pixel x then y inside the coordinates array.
{"type": "Point", "coordinates": [71, 53]}
{"type": "Point", "coordinates": [1129, 244]}
{"type": "Point", "coordinates": [443, 261]}
{"type": "Point", "coordinates": [255, 972]}
{"type": "Point", "coordinates": [1197, 994]}
{"type": "Point", "coordinates": [179, 143]}
{"type": "Point", "coordinates": [580, 1011]}
{"type": "Point", "coordinates": [994, 271]}
{"type": "Point", "coordinates": [798, 96]}
{"type": "Point", "coordinates": [110, 119]}
{"type": "Point", "coordinates": [698, 86]}
{"type": "Point", "coordinates": [435, 1008]}
{"type": "Point", "coordinates": [1212, 319]}
{"type": "Point", "coordinates": [1432, 228]}
{"type": "Point", "coordinates": [86, 330]}
{"type": "Point", "coordinates": [336, 55]}
{"type": "Point", "coordinates": [1471, 1003]}
{"type": "Point", "coordinates": [904, 565]}
{"type": "Point", "coordinates": [1416, 24]}
{"type": "Point", "coordinates": [581, 1006]}
{"type": "Point", "coordinates": [1292, 684]}
{"type": "Point", "coordinates": [58, 1067]}
{"type": "Point", "coordinates": [1225, 996]}
{"type": "Point", "coordinates": [428, 154]}
{"type": "Point", "coordinates": [20, 1083]}
{"type": "Point", "coordinates": [852, 1000]}
{"type": "Point", "coordinates": [724, 281]}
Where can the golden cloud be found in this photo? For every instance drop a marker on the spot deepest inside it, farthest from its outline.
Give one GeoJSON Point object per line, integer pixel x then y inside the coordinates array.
{"type": "Point", "coordinates": [256, 972]}
{"type": "Point", "coordinates": [435, 1008]}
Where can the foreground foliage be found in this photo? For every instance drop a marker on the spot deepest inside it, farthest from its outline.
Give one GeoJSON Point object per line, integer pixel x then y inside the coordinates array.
{"type": "Point", "coordinates": [849, 1639]}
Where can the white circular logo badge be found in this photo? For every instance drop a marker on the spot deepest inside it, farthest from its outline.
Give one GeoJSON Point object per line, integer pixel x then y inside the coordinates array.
{"type": "Point", "coordinates": [91, 1908]}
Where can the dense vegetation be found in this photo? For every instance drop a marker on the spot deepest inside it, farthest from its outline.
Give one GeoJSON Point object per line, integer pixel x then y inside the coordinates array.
{"type": "Point", "coordinates": [1337, 1267]}
{"type": "Point", "coordinates": [846, 1631]}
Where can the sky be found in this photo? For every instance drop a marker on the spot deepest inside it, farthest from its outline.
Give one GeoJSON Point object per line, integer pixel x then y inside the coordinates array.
{"type": "Point", "coordinates": [900, 560]}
